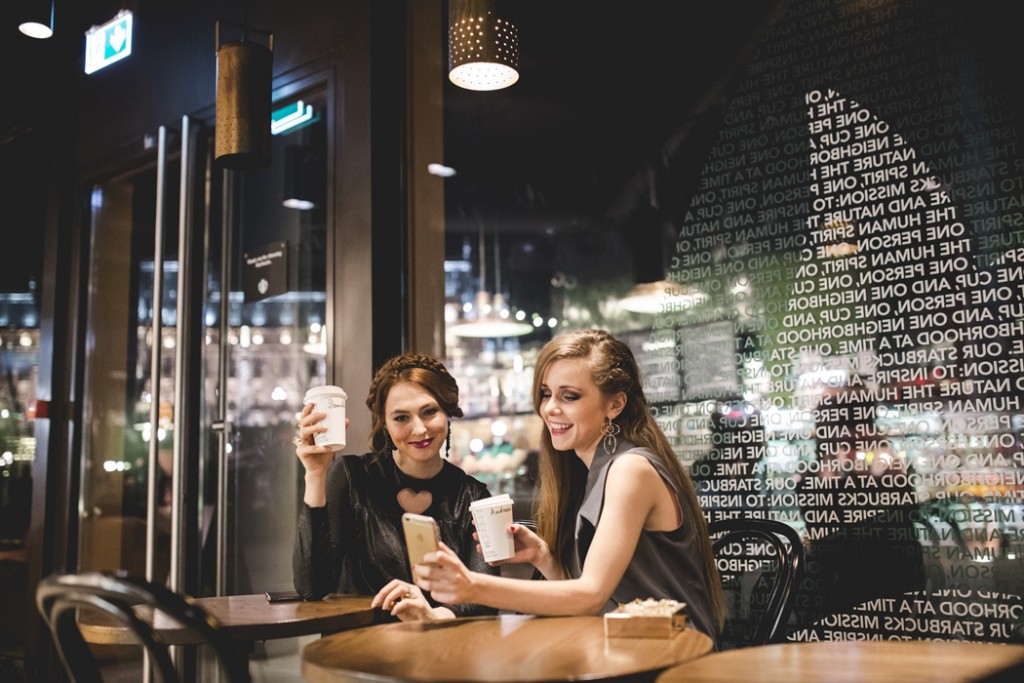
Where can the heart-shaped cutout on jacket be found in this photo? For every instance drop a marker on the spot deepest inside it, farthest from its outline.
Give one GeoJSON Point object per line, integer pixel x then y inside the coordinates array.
{"type": "Point", "coordinates": [417, 503]}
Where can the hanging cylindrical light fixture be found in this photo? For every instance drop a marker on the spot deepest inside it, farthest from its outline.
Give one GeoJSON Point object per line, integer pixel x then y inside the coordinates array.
{"type": "Point", "coordinates": [483, 49]}
{"type": "Point", "coordinates": [303, 178]}
{"type": "Point", "coordinates": [244, 74]}
{"type": "Point", "coordinates": [36, 18]}
{"type": "Point", "coordinates": [646, 238]}
{"type": "Point", "coordinates": [653, 293]}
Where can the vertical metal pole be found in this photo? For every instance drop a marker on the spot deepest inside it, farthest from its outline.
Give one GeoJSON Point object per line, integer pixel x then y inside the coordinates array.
{"type": "Point", "coordinates": [227, 225]}
{"type": "Point", "coordinates": [154, 371]}
{"type": "Point", "coordinates": [179, 485]}
{"type": "Point", "coordinates": [186, 506]}
{"type": "Point", "coordinates": [155, 350]}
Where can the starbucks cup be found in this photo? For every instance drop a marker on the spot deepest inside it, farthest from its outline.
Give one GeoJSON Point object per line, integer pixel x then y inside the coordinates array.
{"type": "Point", "coordinates": [330, 401]}
{"type": "Point", "coordinates": [493, 517]}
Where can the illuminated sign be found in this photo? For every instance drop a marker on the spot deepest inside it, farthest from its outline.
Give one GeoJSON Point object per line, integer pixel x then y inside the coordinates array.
{"type": "Point", "coordinates": [109, 42]}
{"type": "Point", "coordinates": [292, 116]}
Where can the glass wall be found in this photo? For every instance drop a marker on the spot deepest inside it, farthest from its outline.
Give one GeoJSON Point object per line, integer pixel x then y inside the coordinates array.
{"type": "Point", "coordinates": [20, 279]}
{"type": "Point", "coordinates": [261, 315]}
{"type": "Point", "coordinates": [805, 219]}
{"type": "Point", "coordinates": [119, 384]}
{"type": "Point", "coordinates": [277, 343]}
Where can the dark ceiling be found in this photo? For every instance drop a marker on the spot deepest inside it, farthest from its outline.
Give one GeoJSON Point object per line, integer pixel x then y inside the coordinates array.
{"type": "Point", "coordinates": [606, 90]}
{"type": "Point", "coordinates": [559, 171]}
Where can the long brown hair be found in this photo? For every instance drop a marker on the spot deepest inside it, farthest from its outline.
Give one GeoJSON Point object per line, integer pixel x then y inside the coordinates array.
{"type": "Point", "coordinates": [428, 372]}
{"type": "Point", "coordinates": [563, 476]}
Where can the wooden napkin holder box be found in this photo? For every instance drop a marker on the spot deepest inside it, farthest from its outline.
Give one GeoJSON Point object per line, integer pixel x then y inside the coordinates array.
{"type": "Point", "coordinates": [624, 624]}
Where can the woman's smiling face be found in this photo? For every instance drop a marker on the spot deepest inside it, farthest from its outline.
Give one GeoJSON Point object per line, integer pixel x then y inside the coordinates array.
{"type": "Point", "coordinates": [573, 408]}
{"type": "Point", "coordinates": [417, 424]}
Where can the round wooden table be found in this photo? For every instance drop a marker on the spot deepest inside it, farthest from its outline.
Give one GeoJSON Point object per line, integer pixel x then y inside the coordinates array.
{"type": "Point", "coordinates": [490, 649]}
{"type": "Point", "coordinates": [852, 661]}
{"type": "Point", "coordinates": [246, 618]}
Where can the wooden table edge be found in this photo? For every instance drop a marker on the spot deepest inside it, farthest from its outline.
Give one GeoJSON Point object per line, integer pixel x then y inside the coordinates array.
{"type": "Point", "coordinates": [694, 670]}
{"type": "Point", "coordinates": [315, 672]}
{"type": "Point", "coordinates": [118, 634]}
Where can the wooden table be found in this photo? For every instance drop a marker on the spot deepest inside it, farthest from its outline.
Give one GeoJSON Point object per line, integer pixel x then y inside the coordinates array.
{"type": "Point", "coordinates": [247, 618]}
{"type": "Point", "coordinates": [490, 649]}
{"type": "Point", "coordinates": [852, 661]}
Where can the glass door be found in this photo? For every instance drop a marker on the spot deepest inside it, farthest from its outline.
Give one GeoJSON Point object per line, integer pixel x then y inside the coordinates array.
{"type": "Point", "coordinates": [273, 336]}
{"type": "Point", "coordinates": [128, 406]}
{"type": "Point", "coordinates": [205, 322]}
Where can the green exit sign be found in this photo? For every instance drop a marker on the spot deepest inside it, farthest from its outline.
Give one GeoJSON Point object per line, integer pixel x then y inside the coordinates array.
{"type": "Point", "coordinates": [293, 116]}
{"type": "Point", "coordinates": [109, 42]}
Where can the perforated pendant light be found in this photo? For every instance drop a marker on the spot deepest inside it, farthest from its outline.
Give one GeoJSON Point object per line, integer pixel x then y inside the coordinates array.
{"type": "Point", "coordinates": [244, 77]}
{"type": "Point", "coordinates": [483, 49]}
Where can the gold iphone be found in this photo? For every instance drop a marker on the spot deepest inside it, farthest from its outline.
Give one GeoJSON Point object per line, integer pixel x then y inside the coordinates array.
{"type": "Point", "coordinates": [421, 536]}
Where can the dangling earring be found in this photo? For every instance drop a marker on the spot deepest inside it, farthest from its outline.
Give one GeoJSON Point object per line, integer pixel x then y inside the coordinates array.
{"type": "Point", "coordinates": [448, 442]}
{"type": "Point", "coordinates": [610, 432]}
{"type": "Point", "coordinates": [389, 445]}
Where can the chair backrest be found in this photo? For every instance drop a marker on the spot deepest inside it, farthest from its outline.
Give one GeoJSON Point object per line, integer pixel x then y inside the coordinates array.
{"type": "Point", "coordinates": [761, 562]}
{"type": "Point", "coordinates": [60, 596]}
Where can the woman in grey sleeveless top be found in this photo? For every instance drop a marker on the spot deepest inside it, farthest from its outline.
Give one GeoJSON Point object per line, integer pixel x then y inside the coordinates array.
{"type": "Point", "coordinates": [618, 517]}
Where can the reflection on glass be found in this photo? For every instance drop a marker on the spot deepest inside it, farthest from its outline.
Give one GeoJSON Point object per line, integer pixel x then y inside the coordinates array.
{"type": "Point", "coordinates": [836, 339]}
{"type": "Point", "coordinates": [264, 327]}
{"type": "Point", "coordinates": [276, 345]}
{"type": "Point", "coordinates": [118, 387]}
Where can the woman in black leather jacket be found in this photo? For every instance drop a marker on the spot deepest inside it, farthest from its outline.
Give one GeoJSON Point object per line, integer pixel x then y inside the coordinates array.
{"type": "Point", "coordinates": [350, 537]}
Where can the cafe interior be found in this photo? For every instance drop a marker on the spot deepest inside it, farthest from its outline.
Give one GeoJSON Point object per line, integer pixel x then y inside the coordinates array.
{"type": "Point", "coordinates": [804, 217]}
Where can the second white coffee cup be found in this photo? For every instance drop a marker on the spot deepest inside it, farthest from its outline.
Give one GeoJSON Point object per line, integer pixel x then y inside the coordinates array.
{"type": "Point", "coordinates": [493, 517]}
{"type": "Point", "coordinates": [329, 400]}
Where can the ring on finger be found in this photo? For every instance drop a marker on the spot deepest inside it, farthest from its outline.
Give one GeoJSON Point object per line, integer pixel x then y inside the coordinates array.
{"type": "Point", "coordinates": [298, 441]}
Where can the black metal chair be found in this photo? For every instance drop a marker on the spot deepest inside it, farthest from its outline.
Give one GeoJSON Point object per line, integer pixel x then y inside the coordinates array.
{"type": "Point", "coordinates": [59, 598]}
{"type": "Point", "coordinates": [761, 562]}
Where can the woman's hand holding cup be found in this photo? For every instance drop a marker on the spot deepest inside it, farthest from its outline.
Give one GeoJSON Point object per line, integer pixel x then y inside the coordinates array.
{"type": "Point", "coordinates": [529, 547]}
{"type": "Point", "coordinates": [316, 459]}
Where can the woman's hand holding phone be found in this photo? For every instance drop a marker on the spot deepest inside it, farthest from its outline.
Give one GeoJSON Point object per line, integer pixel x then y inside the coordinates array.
{"type": "Point", "coordinates": [403, 599]}
{"type": "Point", "coordinates": [421, 537]}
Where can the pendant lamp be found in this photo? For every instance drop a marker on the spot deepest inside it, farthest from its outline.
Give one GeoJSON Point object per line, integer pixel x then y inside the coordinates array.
{"type": "Point", "coordinates": [493, 317]}
{"type": "Point", "coordinates": [36, 18]}
{"type": "Point", "coordinates": [483, 48]}
{"type": "Point", "coordinates": [303, 178]}
{"type": "Point", "coordinates": [493, 320]}
{"type": "Point", "coordinates": [242, 126]}
{"type": "Point", "coordinates": [648, 294]}
{"type": "Point", "coordinates": [653, 293]}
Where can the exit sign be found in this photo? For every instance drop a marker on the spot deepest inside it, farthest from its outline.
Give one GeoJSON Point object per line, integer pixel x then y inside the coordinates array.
{"type": "Point", "coordinates": [109, 42]}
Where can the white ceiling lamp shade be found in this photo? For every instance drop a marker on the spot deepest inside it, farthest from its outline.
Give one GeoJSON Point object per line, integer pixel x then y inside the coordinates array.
{"type": "Point", "coordinates": [493, 320]}
{"type": "Point", "coordinates": [661, 296]}
{"type": "Point", "coordinates": [483, 48]}
{"type": "Point", "coordinates": [37, 19]}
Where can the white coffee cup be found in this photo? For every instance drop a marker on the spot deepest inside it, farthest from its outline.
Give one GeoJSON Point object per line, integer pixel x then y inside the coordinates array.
{"type": "Point", "coordinates": [493, 517]}
{"type": "Point", "coordinates": [329, 400]}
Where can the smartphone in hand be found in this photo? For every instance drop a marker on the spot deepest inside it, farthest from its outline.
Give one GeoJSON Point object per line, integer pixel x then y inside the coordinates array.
{"type": "Point", "coordinates": [421, 536]}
